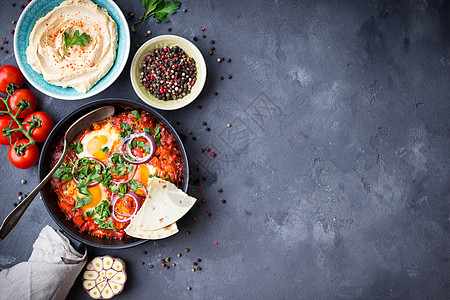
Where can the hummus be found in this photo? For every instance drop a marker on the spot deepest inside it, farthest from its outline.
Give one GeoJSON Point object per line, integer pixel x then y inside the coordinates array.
{"type": "Point", "coordinates": [82, 66]}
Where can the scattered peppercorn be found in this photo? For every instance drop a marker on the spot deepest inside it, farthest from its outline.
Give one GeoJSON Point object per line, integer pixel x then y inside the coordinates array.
{"type": "Point", "coordinates": [207, 129]}
{"type": "Point", "coordinates": [203, 200]}
{"type": "Point", "coordinates": [19, 193]}
{"type": "Point", "coordinates": [229, 76]}
{"type": "Point", "coordinates": [188, 232]}
{"type": "Point", "coordinates": [178, 122]}
{"type": "Point", "coordinates": [198, 268]}
{"type": "Point", "coordinates": [209, 214]}
{"type": "Point", "coordinates": [224, 201]}
{"type": "Point", "coordinates": [220, 190]}
{"type": "Point", "coordinates": [194, 263]}
{"type": "Point", "coordinates": [167, 259]}
{"type": "Point", "coordinates": [195, 38]}
{"type": "Point", "coordinates": [163, 265]}
{"type": "Point", "coordinates": [186, 250]}
{"type": "Point", "coordinates": [1, 48]}
{"type": "Point", "coordinates": [213, 154]}
{"type": "Point", "coordinates": [210, 52]}
{"type": "Point", "coordinates": [13, 4]}
{"type": "Point", "coordinates": [203, 29]}
{"type": "Point", "coordinates": [142, 263]}
{"type": "Point", "coordinates": [21, 6]}
{"type": "Point", "coordinates": [169, 29]}
{"type": "Point", "coordinates": [216, 243]}
{"type": "Point", "coordinates": [189, 131]}
{"type": "Point", "coordinates": [203, 149]}
{"type": "Point", "coordinates": [219, 60]}
{"type": "Point", "coordinates": [199, 260]}
{"type": "Point", "coordinates": [12, 31]}
{"type": "Point", "coordinates": [15, 204]}
{"type": "Point", "coordinates": [194, 219]}
{"type": "Point", "coordinates": [228, 125]}
{"type": "Point", "coordinates": [193, 270]}
{"type": "Point", "coordinates": [203, 178]}
{"type": "Point", "coordinates": [211, 41]}
{"type": "Point", "coordinates": [207, 149]}
{"type": "Point", "coordinates": [221, 77]}
{"type": "Point", "coordinates": [23, 181]}
{"type": "Point", "coordinates": [216, 93]}
{"type": "Point", "coordinates": [178, 254]}
{"type": "Point", "coordinates": [213, 48]}
{"type": "Point", "coordinates": [173, 265]}
{"type": "Point", "coordinates": [228, 59]}
{"type": "Point", "coordinates": [162, 260]}
{"type": "Point", "coordinates": [189, 288]}
{"type": "Point", "coordinates": [204, 123]}
{"type": "Point", "coordinates": [199, 107]}
{"type": "Point", "coordinates": [144, 252]}
{"type": "Point", "coordinates": [184, 10]}
{"type": "Point", "coordinates": [20, 197]}
{"type": "Point", "coordinates": [151, 266]}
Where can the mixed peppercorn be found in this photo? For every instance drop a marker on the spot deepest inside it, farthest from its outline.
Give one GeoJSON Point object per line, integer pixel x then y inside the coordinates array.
{"type": "Point", "coordinates": [168, 73]}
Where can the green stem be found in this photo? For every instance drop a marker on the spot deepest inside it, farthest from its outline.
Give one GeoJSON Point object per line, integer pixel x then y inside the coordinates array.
{"type": "Point", "coordinates": [14, 117]}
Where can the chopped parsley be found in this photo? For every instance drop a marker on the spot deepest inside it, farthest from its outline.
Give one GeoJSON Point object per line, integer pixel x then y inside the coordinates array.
{"type": "Point", "coordinates": [156, 176]}
{"type": "Point", "coordinates": [119, 189]}
{"type": "Point", "coordinates": [102, 210]}
{"type": "Point", "coordinates": [134, 185]}
{"type": "Point", "coordinates": [103, 224]}
{"type": "Point", "coordinates": [64, 172]}
{"type": "Point", "coordinates": [77, 147]}
{"type": "Point", "coordinates": [83, 189]}
{"type": "Point", "coordinates": [136, 114]}
{"type": "Point", "coordinates": [156, 135]}
{"type": "Point", "coordinates": [126, 130]}
{"type": "Point", "coordinates": [105, 150]}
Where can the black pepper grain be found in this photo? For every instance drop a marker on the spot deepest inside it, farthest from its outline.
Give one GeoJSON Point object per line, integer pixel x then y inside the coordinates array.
{"type": "Point", "coordinates": [199, 107]}
{"type": "Point", "coordinates": [216, 93]}
{"type": "Point", "coordinates": [211, 41]}
{"type": "Point", "coordinates": [199, 260]}
{"type": "Point", "coordinates": [144, 252]}
{"type": "Point", "coordinates": [204, 123]}
{"type": "Point", "coordinates": [198, 268]}
{"type": "Point", "coordinates": [194, 263]}
{"type": "Point", "coordinates": [221, 77]}
{"type": "Point", "coordinates": [169, 29]}
{"type": "Point", "coordinates": [224, 201]}
{"type": "Point", "coordinates": [213, 48]}
{"type": "Point", "coordinates": [184, 10]}
{"type": "Point", "coordinates": [203, 36]}
{"type": "Point", "coordinates": [178, 122]}
{"type": "Point", "coordinates": [229, 76]}
{"type": "Point", "coordinates": [207, 129]}
{"type": "Point", "coordinates": [194, 138]}
{"type": "Point", "coordinates": [210, 52]}
{"type": "Point", "coordinates": [219, 190]}
{"type": "Point", "coordinates": [195, 38]}
{"type": "Point", "coordinates": [178, 254]}
{"type": "Point", "coordinates": [186, 250]}
{"type": "Point", "coordinates": [228, 59]}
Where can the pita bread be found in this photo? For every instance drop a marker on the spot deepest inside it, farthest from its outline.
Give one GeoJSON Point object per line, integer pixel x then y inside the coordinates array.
{"type": "Point", "coordinates": [161, 233]}
{"type": "Point", "coordinates": [165, 204]}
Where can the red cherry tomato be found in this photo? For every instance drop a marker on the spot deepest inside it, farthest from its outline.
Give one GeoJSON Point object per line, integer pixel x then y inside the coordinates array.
{"type": "Point", "coordinates": [4, 122]}
{"type": "Point", "coordinates": [26, 95]}
{"type": "Point", "coordinates": [29, 158]}
{"type": "Point", "coordinates": [39, 134]}
{"type": "Point", "coordinates": [10, 74]}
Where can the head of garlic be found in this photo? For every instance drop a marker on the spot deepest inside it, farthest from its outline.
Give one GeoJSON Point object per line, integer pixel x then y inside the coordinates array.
{"type": "Point", "coordinates": [104, 277]}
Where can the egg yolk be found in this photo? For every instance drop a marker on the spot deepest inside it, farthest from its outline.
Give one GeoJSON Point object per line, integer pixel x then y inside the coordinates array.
{"type": "Point", "coordinates": [95, 145]}
{"type": "Point", "coordinates": [141, 174]}
{"type": "Point", "coordinates": [96, 193]}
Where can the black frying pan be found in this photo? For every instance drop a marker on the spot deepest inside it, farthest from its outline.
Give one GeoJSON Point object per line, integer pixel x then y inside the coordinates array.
{"type": "Point", "coordinates": [51, 199]}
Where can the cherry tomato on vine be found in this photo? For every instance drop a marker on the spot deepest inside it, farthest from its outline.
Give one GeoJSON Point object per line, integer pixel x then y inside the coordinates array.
{"type": "Point", "coordinates": [10, 74]}
{"type": "Point", "coordinates": [4, 122]}
{"type": "Point", "coordinates": [26, 95]}
{"type": "Point", "coordinates": [39, 133]}
{"type": "Point", "coordinates": [27, 159]}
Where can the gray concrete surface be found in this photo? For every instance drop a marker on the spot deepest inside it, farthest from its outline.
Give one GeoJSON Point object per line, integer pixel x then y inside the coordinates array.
{"type": "Point", "coordinates": [335, 169]}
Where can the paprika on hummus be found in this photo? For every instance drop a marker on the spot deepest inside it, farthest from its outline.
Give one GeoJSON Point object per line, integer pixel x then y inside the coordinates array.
{"type": "Point", "coordinates": [81, 67]}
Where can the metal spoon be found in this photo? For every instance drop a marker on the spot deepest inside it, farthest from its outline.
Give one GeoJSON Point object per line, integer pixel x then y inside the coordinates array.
{"type": "Point", "coordinates": [96, 115]}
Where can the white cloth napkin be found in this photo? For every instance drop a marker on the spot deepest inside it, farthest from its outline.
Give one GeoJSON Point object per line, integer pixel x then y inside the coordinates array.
{"type": "Point", "coordinates": [48, 274]}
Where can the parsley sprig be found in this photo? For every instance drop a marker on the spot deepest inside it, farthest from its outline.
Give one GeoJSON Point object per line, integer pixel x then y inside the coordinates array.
{"type": "Point", "coordinates": [159, 9]}
{"type": "Point", "coordinates": [76, 39]}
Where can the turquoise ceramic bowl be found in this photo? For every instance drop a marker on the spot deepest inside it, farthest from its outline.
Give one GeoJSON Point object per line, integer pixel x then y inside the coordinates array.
{"type": "Point", "coordinates": [39, 8]}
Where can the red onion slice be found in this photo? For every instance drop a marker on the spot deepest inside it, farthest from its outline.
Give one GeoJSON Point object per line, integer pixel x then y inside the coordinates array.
{"type": "Point", "coordinates": [113, 210]}
{"type": "Point", "coordinates": [138, 160]}
{"type": "Point", "coordinates": [92, 184]}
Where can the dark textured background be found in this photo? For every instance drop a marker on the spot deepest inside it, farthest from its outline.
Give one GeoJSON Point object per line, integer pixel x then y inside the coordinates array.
{"type": "Point", "coordinates": [335, 169]}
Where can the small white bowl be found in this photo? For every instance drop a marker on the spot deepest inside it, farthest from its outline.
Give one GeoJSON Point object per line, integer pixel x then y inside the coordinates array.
{"type": "Point", "coordinates": [160, 42]}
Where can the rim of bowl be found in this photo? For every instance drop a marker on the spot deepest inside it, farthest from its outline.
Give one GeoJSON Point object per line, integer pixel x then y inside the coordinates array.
{"type": "Point", "coordinates": [201, 74]}
{"type": "Point", "coordinates": [80, 96]}
{"type": "Point", "coordinates": [47, 147]}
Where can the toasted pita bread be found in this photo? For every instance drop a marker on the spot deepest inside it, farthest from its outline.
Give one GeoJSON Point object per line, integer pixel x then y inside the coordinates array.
{"type": "Point", "coordinates": [165, 204]}
{"type": "Point", "coordinates": [161, 233]}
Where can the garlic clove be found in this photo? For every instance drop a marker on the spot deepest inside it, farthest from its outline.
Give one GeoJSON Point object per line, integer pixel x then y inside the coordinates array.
{"type": "Point", "coordinates": [116, 287]}
{"type": "Point", "coordinates": [88, 284]}
{"type": "Point", "coordinates": [89, 266]}
{"type": "Point", "coordinates": [110, 273]}
{"type": "Point", "coordinates": [102, 285]}
{"type": "Point", "coordinates": [95, 293]}
{"type": "Point", "coordinates": [119, 278]}
{"type": "Point", "coordinates": [107, 293]}
{"type": "Point", "coordinates": [118, 264]}
{"type": "Point", "coordinates": [90, 275]}
{"type": "Point", "coordinates": [107, 262]}
{"type": "Point", "coordinates": [98, 264]}
{"type": "Point", "coordinates": [100, 279]}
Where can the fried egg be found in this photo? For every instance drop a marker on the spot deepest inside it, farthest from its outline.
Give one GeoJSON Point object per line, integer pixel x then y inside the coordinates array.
{"type": "Point", "coordinates": [96, 140]}
{"type": "Point", "coordinates": [143, 171]}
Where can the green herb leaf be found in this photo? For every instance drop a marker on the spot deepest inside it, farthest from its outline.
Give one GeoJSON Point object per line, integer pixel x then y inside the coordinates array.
{"type": "Point", "coordinates": [136, 114]}
{"type": "Point", "coordinates": [64, 172]}
{"type": "Point", "coordinates": [167, 177]}
{"type": "Point", "coordinates": [119, 189]}
{"type": "Point", "coordinates": [167, 8]}
{"type": "Point", "coordinates": [105, 150]}
{"type": "Point", "coordinates": [103, 224]}
{"type": "Point", "coordinates": [76, 39]}
{"type": "Point", "coordinates": [82, 189]}
{"type": "Point", "coordinates": [102, 210]}
{"type": "Point", "coordinates": [134, 185]}
{"type": "Point", "coordinates": [157, 135]}
{"type": "Point", "coordinates": [77, 147]}
{"type": "Point", "coordinates": [156, 176]}
{"type": "Point", "coordinates": [126, 130]}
